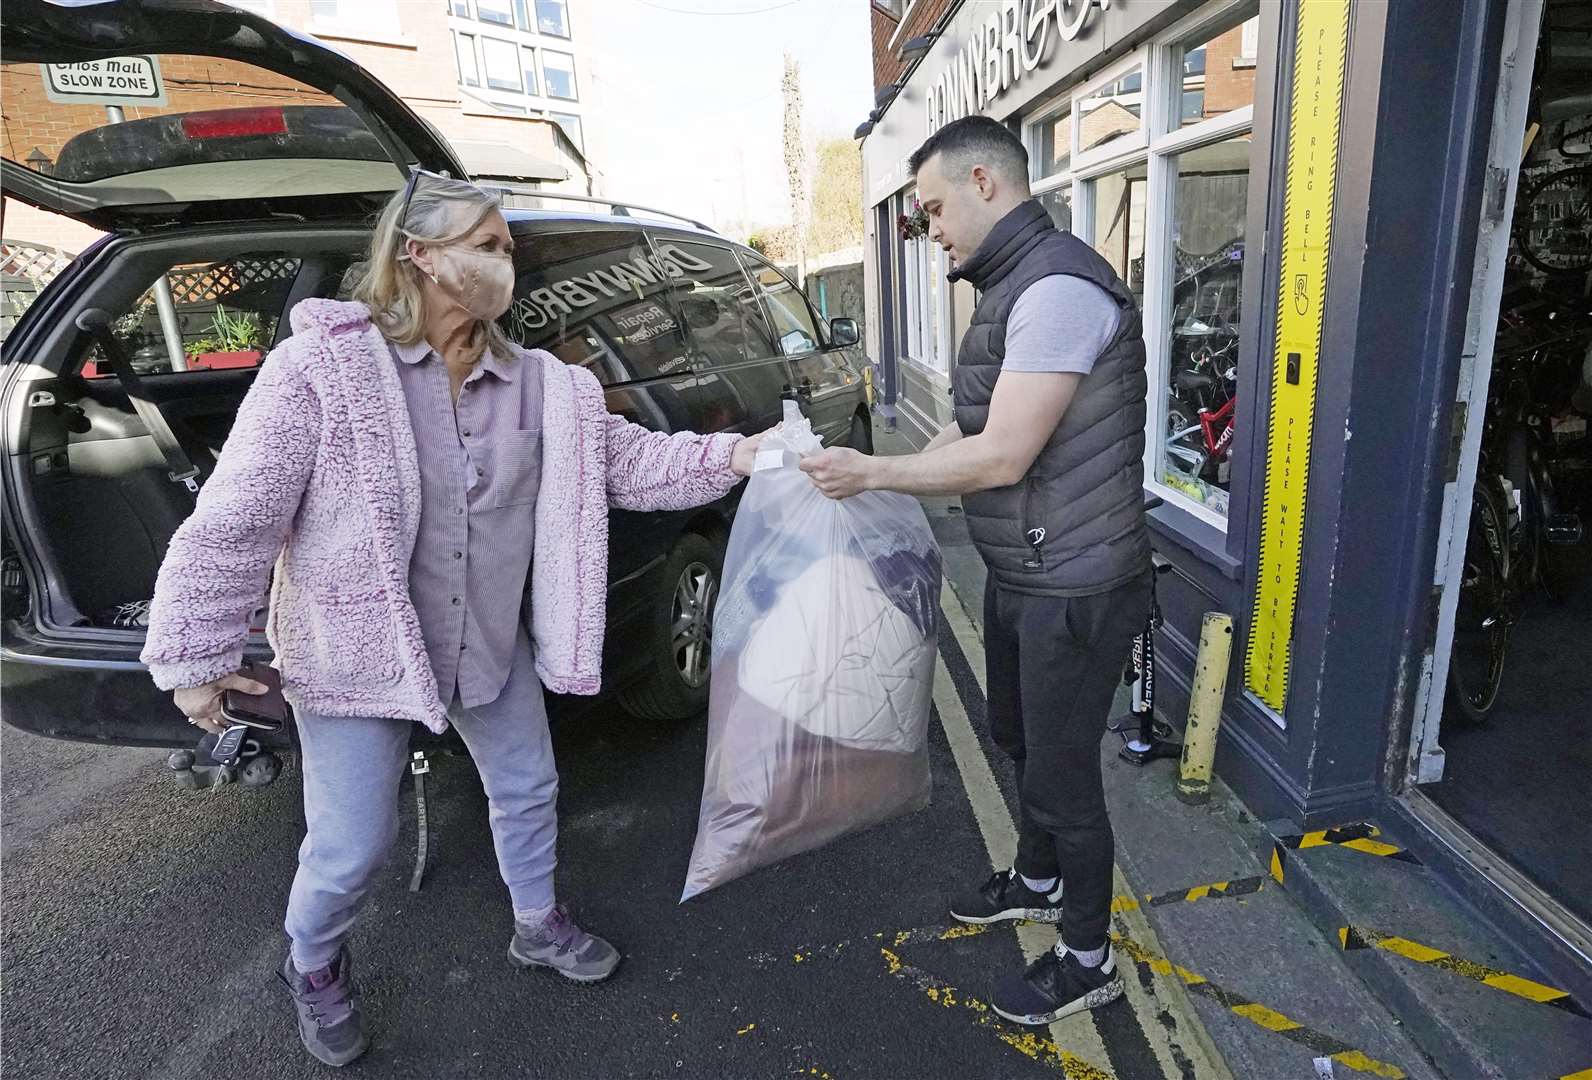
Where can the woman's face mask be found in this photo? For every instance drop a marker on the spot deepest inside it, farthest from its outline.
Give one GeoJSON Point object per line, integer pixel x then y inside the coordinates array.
{"type": "Point", "coordinates": [480, 282]}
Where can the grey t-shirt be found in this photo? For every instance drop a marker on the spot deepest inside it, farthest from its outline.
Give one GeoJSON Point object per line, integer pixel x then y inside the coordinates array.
{"type": "Point", "coordinates": [1059, 323]}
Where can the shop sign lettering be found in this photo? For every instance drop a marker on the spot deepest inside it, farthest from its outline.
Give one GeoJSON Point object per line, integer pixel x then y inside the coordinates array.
{"type": "Point", "coordinates": [1014, 40]}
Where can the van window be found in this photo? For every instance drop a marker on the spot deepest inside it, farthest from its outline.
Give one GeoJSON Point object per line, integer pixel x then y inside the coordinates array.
{"type": "Point", "coordinates": [719, 304]}
{"type": "Point", "coordinates": [597, 298]}
{"type": "Point", "coordinates": [794, 328]}
{"type": "Point", "coordinates": [227, 314]}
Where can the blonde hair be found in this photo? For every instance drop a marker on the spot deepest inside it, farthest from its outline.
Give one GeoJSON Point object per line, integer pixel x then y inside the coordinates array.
{"type": "Point", "coordinates": [440, 211]}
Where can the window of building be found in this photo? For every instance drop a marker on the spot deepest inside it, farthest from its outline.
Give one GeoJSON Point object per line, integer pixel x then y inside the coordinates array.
{"type": "Point", "coordinates": [500, 12]}
{"type": "Point", "coordinates": [461, 8]}
{"type": "Point", "coordinates": [1050, 141]}
{"type": "Point", "coordinates": [1120, 202]}
{"type": "Point", "coordinates": [502, 63]}
{"type": "Point", "coordinates": [528, 66]}
{"type": "Point", "coordinates": [559, 71]}
{"type": "Point", "coordinates": [925, 310]}
{"type": "Point", "coordinates": [1112, 111]}
{"type": "Point", "coordinates": [1058, 202]}
{"type": "Point", "coordinates": [1192, 269]}
{"type": "Point", "coordinates": [552, 17]}
{"type": "Point", "coordinates": [464, 52]}
{"type": "Point", "coordinates": [571, 125]}
{"type": "Point", "coordinates": [1217, 76]}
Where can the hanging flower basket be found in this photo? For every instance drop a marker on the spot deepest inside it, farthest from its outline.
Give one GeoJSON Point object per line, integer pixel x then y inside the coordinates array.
{"type": "Point", "coordinates": [914, 225]}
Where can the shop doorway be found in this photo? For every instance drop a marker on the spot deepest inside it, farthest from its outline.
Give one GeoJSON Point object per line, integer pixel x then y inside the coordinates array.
{"type": "Point", "coordinates": [1502, 745]}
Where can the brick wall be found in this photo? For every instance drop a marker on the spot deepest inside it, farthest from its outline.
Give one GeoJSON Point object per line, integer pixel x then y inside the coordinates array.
{"type": "Point", "coordinates": [1228, 86]}
{"type": "Point", "coordinates": [922, 17]}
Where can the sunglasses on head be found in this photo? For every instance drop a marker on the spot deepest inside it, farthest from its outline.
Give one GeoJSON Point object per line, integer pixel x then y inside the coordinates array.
{"type": "Point", "coordinates": [409, 190]}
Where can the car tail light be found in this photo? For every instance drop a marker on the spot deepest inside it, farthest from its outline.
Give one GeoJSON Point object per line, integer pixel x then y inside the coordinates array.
{"type": "Point", "coordinates": [234, 123]}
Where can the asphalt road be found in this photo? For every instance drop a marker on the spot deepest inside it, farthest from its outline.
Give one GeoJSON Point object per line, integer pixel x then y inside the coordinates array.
{"type": "Point", "coordinates": [142, 927]}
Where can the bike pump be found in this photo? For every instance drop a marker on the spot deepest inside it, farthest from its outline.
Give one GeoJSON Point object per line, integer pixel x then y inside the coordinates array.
{"type": "Point", "coordinates": [1144, 738]}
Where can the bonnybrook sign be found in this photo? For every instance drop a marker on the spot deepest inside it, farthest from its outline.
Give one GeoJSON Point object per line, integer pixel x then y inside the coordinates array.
{"type": "Point", "coordinates": [1013, 41]}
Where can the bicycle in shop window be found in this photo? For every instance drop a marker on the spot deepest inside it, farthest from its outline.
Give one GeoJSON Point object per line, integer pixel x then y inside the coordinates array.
{"type": "Point", "coordinates": [1200, 421]}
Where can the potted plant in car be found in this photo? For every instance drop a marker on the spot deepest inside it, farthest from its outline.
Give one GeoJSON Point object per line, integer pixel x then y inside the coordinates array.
{"type": "Point", "coordinates": [235, 342]}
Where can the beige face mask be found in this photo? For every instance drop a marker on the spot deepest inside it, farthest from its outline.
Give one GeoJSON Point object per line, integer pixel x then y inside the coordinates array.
{"type": "Point", "coordinates": [479, 282]}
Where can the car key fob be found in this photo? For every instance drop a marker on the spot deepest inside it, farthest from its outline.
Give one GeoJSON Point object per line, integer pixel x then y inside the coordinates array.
{"type": "Point", "coordinates": [229, 745]}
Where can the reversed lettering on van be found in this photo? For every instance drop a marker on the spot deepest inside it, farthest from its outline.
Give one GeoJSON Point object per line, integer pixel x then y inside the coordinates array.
{"type": "Point", "coordinates": [564, 297]}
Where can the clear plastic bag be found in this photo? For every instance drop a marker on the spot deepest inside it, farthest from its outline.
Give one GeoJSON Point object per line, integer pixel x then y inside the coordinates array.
{"type": "Point", "coordinates": [824, 646]}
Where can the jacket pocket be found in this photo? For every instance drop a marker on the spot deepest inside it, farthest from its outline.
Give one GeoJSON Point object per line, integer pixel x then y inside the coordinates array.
{"type": "Point", "coordinates": [516, 469]}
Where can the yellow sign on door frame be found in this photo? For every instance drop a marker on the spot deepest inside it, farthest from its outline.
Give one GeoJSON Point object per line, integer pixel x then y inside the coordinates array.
{"type": "Point", "coordinates": [1321, 52]}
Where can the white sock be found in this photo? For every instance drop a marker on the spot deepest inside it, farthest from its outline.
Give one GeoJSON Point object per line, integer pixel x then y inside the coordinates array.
{"type": "Point", "coordinates": [1089, 958]}
{"type": "Point", "coordinates": [533, 917]}
{"type": "Point", "coordinates": [1040, 885]}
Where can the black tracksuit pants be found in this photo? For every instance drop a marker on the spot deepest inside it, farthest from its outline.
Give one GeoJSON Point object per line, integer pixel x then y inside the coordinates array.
{"type": "Point", "coordinates": [1053, 668]}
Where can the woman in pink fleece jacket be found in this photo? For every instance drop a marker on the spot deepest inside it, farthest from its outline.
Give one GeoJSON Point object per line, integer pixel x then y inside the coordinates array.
{"type": "Point", "coordinates": [405, 469]}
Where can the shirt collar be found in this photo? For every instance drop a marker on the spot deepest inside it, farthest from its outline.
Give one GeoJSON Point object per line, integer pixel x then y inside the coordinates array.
{"type": "Point", "coordinates": [491, 363]}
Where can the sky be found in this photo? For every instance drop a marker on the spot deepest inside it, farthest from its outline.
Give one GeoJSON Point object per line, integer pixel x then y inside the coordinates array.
{"type": "Point", "coordinates": [690, 103]}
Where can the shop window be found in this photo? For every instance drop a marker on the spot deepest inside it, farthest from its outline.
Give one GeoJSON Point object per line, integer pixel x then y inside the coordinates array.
{"type": "Point", "coordinates": [1111, 112]}
{"type": "Point", "coordinates": [502, 64]}
{"type": "Point", "coordinates": [1119, 209]}
{"type": "Point", "coordinates": [1218, 74]}
{"type": "Point", "coordinates": [558, 69]}
{"type": "Point", "coordinates": [1050, 142]}
{"type": "Point", "coordinates": [1206, 300]}
{"type": "Point", "coordinates": [464, 51]}
{"type": "Point", "coordinates": [1058, 204]}
{"type": "Point", "coordinates": [924, 269]}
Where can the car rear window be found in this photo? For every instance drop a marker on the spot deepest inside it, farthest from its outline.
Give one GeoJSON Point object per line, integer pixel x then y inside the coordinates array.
{"type": "Point", "coordinates": [215, 125]}
{"type": "Point", "coordinates": [226, 312]}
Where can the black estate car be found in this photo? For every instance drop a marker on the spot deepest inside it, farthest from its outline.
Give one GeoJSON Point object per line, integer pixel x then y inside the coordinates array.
{"type": "Point", "coordinates": [218, 222]}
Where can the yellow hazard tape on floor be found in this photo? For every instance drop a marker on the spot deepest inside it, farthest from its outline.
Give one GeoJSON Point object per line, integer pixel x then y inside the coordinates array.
{"type": "Point", "coordinates": [1319, 1042]}
{"type": "Point", "coordinates": [1320, 62]}
{"type": "Point", "coordinates": [1356, 937]}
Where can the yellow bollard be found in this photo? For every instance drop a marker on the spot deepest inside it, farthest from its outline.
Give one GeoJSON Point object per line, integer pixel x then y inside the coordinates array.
{"type": "Point", "coordinates": [1205, 708]}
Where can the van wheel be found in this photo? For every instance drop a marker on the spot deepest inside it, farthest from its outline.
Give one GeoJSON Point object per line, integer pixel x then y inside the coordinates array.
{"type": "Point", "coordinates": [681, 638]}
{"type": "Point", "coordinates": [861, 437]}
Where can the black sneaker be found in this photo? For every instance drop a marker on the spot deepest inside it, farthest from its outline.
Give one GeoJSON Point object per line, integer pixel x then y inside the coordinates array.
{"type": "Point", "coordinates": [1054, 987]}
{"type": "Point", "coordinates": [1004, 896]}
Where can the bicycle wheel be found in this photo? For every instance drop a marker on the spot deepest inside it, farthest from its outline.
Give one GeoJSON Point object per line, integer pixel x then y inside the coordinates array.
{"type": "Point", "coordinates": [1482, 618]}
{"type": "Point", "coordinates": [1553, 222]}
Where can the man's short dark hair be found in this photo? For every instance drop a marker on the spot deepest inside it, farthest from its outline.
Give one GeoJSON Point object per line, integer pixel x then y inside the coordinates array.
{"type": "Point", "coordinates": [975, 140]}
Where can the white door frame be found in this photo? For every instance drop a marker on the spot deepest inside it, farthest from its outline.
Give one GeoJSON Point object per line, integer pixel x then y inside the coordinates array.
{"type": "Point", "coordinates": [1522, 22]}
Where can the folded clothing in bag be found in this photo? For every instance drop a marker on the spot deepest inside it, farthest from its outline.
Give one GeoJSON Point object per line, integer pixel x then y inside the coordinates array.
{"type": "Point", "coordinates": [824, 641]}
{"type": "Point", "coordinates": [837, 658]}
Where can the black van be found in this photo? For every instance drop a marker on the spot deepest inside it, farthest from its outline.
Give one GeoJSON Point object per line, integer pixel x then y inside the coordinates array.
{"type": "Point", "coordinates": [220, 220]}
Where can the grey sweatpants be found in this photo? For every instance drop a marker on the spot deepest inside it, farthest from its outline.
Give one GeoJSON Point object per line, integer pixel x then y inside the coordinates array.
{"type": "Point", "coordinates": [352, 767]}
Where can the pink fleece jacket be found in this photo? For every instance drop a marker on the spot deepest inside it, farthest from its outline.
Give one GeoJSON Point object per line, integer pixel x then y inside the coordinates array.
{"type": "Point", "coordinates": [319, 479]}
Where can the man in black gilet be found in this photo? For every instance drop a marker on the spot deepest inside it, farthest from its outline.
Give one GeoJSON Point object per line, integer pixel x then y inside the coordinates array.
{"type": "Point", "coordinates": [1047, 453]}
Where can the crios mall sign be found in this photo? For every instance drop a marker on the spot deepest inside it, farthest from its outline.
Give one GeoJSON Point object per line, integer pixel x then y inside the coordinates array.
{"type": "Point", "coordinates": [1014, 40]}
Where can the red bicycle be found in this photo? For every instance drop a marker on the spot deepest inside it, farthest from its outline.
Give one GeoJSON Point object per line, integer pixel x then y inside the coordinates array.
{"type": "Point", "coordinates": [1200, 416]}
